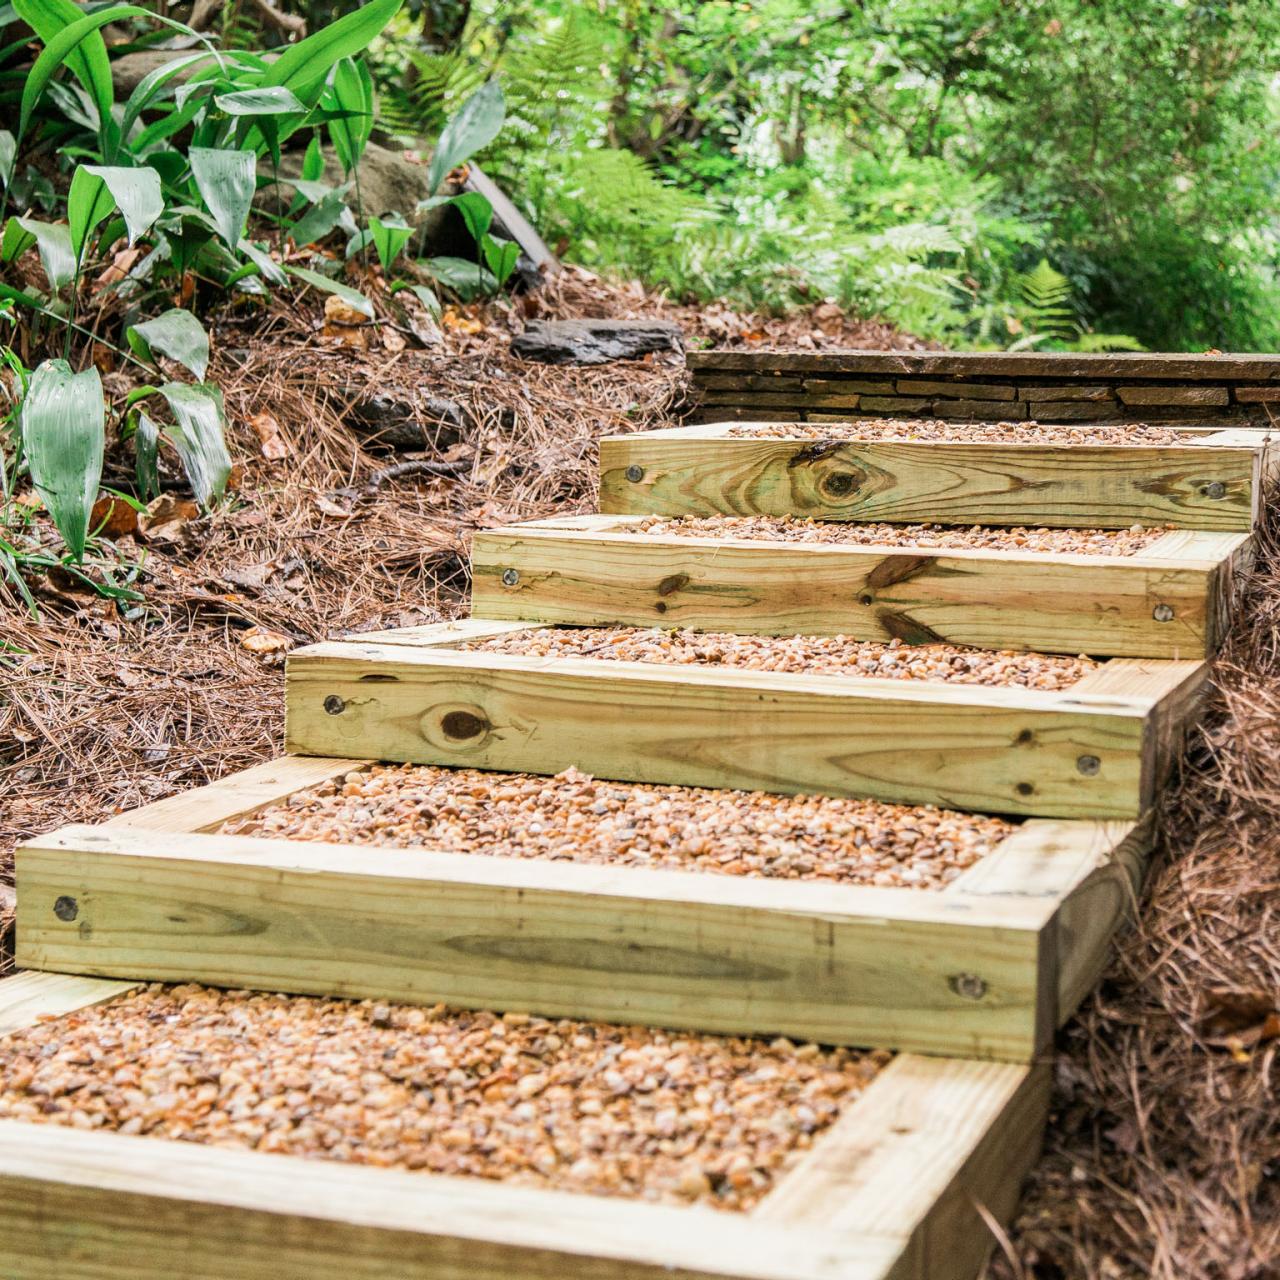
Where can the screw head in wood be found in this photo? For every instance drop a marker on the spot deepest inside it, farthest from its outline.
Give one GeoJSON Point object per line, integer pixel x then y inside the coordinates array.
{"type": "Point", "coordinates": [635, 474]}
{"type": "Point", "coordinates": [334, 705]}
{"type": "Point", "coordinates": [1215, 489]}
{"type": "Point", "coordinates": [66, 908]}
{"type": "Point", "coordinates": [510, 577]}
{"type": "Point", "coordinates": [1163, 613]}
{"type": "Point", "coordinates": [1090, 766]}
{"type": "Point", "coordinates": [968, 986]}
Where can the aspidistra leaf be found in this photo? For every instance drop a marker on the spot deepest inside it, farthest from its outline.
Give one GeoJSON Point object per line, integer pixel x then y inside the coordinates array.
{"type": "Point", "coordinates": [63, 424]}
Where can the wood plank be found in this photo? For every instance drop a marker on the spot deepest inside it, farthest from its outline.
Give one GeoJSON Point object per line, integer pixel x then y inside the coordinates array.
{"type": "Point", "coordinates": [1110, 606]}
{"type": "Point", "coordinates": [1076, 486]}
{"type": "Point", "coordinates": [80, 1205]}
{"type": "Point", "coordinates": [1092, 872]}
{"type": "Point", "coordinates": [919, 1147]}
{"type": "Point", "coordinates": [816, 961]}
{"type": "Point", "coordinates": [1035, 365]}
{"type": "Point", "coordinates": [997, 750]}
{"type": "Point", "coordinates": [28, 998]}
{"type": "Point", "coordinates": [235, 796]}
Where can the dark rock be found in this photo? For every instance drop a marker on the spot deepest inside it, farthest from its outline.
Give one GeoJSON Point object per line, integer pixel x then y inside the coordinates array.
{"type": "Point", "coordinates": [595, 341]}
{"type": "Point", "coordinates": [425, 423]}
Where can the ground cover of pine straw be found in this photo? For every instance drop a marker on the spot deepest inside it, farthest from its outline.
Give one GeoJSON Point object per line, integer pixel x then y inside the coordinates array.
{"type": "Point", "coordinates": [1163, 1154]}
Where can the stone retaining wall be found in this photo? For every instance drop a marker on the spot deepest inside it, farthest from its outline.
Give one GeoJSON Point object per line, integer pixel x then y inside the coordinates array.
{"type": "Point", "coordinates": [987, 386]}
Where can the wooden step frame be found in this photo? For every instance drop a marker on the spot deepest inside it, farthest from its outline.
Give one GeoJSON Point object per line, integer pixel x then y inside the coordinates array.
{"type": "Point", "coordinates": [1215, 483]}
{"type": "Point", "coordinates": [1099, 749]}
{"type": "Point", "coordinates": [1170, 600]}
{"type": "Point", "coordinates": [889, 1192]}
{"type": "Point", "coordinates": [988, 967]}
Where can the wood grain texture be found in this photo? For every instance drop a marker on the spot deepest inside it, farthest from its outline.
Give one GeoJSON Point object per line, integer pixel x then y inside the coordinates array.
{"type": "Point", "coordinates": [1000, 750]}
{"type": "Point", "coordinates": [833, 963]}
{"type": "Point", "coordinates": [28, 998]}
{"type": "Point", "coordinates": [236, 796]}
{"type": "Point", "coordinates": [94, 1206]}
{"type": "Point", "coordinates": [1102, 605]}
{"type": "Point", "coordinates": [927, 1140]}
{"type": "Point", "coordinates": [1077, 486]}
{"type": "Point", "coordinates": [1089, 872]}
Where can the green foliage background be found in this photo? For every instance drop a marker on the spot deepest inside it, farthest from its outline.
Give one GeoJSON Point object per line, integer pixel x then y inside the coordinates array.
{"type": "Point", "coordinates": [918, 159]}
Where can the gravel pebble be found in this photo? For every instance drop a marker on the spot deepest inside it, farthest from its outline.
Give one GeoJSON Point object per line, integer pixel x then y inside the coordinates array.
{"type": "Point", "coordinates": [812, 655]}
{"type": "Point", "coordinates": [865, 430]}
{"type": "Point", "coordinates": [1094, 542]}
{"type": "Point", "coordinates": [577, 818]}
{"type": "Point", "coordinates": [580, 1106]}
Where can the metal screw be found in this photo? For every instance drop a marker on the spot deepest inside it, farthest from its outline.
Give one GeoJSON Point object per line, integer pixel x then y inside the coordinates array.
{"type": "Point", "coordinates": [66, 908]}
{"type": "Point", "coordinates": [1089, 765]}
{"type": "Point", "coordinates": [967, 985]}
{"type": "Point", "coordinates": [635, 474]}
{"type": "Point", "coordinates": [1163, 613]}
{"type": "Point", "coordinates": [510, 577]}
{"type": "Point", "coordinates": [1215, 489]}
{"type": "Point", "coordinates": [334, 705]}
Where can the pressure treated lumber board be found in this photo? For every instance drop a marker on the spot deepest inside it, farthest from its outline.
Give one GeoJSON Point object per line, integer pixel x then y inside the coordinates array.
{"type": "Point", "coordinates": [1215, 483]}
{"type": "Point", "coordinates": [1071, 753]}
{"type": "Point", "coordinates": [1169, 601]}
{"type": "Point", "coordinates": [888, 1193]}
{"type": "Point", "coordinates": [986, 968]}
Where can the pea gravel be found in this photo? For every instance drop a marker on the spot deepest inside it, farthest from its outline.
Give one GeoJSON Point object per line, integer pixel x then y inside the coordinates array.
{"type": "Point", "coordinates": [933, 429]}
{"type": "Point", "coordinates": [576, 818]}
{"type": "Point", "coordinates": [808, 655]}
{"type": "Point", "coordinates": [582, 1106]}
{"type": "Point", "coordinates": [1093, 542]}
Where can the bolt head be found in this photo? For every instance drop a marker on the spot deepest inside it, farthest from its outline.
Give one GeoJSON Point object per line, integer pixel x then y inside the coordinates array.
{"type": "Point", "coordinates": [66, 908]}
{"type": "Point", "coordinates": [968, 986]}
{"type": "Point", "coordinates": [334, 705]}
{"type": "Point", "coordinates": [1090, 766]}
{"type": "Point", "coordinates": [1163, 613]}
{"type": "Point", "coordinates": [635, 474]}
{"type": "Point", "coordinates": [1215, 489]}
{"type": "Point", "coordinates": [510, 577]}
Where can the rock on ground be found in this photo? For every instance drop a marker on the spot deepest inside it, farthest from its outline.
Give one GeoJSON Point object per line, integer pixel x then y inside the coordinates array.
{"type": "Point", "coordinates": [595, 341]}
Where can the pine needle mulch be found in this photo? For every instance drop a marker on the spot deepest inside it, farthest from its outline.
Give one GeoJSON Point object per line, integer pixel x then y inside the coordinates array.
{"type": "Point", "coordinates": [1163, 1153]}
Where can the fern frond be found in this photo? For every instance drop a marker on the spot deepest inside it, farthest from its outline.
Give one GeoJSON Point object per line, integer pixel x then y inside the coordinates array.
{"type": "Point", "coordinates": [1087, 342]}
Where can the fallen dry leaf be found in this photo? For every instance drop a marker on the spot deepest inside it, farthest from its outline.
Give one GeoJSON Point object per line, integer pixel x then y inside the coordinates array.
{"type": "Point", "coordinates": [455, 320]}
{"type": "Point", "coordinates": [342, 335]}
{"type": "Point", "coordinates": [166, 517]}
{"type": "Point", "coordinates": [263, 641]}
{"type": "Point", "coordinates": [114, 517]}
{"type": "Point", "coordinates": [274, 445]}
{"type": "Point", "coordinates": [329, 507]}
{"type": "Point", "coordinates": [1238, 1020]}
{"type": "Point", "coordinates": [118, 268]}
{"type": "Point", "coordinates": [339, 311]}
{"type": "Point", "coordinates": [391, 340]}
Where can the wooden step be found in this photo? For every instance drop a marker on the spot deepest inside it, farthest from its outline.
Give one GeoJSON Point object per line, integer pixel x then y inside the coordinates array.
{"type": "Point", "coordinates": [1215, 483]}
{"type": "Point", "coordinates": [988, 967]}
{"type": "Point", "coordinates": [887, 1193]}
{"type": "Point", "coordinates": [1168, 601]}
{"type": "Point", "coordinates": [1098, 749]}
